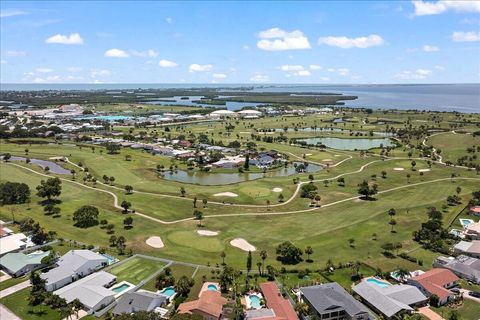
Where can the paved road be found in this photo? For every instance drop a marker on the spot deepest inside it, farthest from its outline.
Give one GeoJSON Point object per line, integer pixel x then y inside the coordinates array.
{"type": "Point", "coordinates": [6, 314]}
{"type": "Point", "coordinates": [15, 288]}
{"type": "Point", "coordinates": [467, 296]}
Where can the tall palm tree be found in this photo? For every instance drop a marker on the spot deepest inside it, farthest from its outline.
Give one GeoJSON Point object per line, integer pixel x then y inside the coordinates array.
{"type": "Point", "coordinates": [263, 256]}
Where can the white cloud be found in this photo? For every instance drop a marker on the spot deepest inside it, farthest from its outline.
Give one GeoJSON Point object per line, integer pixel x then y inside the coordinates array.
{"type": "Point", "coordinates": [331, 70]}
{"type": "Point", "coordinates": [199, 67]}
{"type": "Point", "coordinates": [3, 61]}
{"type": "Point", "coordinates": [11, 13]}
{"type": "Point", "coordinates": [169, 20]}
{"type": "Point", "coordinates": [74, 69]}
{"type": "Point", "coordinates": [94, 73]}
{"type": "Point", "coordinates": [167, 63]}
{"type": "Point", "coordinates": [429, 48]}
{"type": "Point", "coordinates": [423, 8]}
{"type": "Point", "coordinates": [470, 36]}
{"type": "Point", "coordinates": [72, 39]}
{"type": "Point", "coordinates": [259, 78]}
{"type": "Point", "coordinates": [219, 76]}
{"type": "Point", "coordinates": [246, 47]}
{"type": "Point", "coordinates": [302, 73]}
{"type": "Point", "coordinates": [315, 67]}
{"type": "Point", "coordinates": [149, 53]}
{"type": "Point", "coordinates": [343, 71]}
{"type": "Point", "coordinates": [289, 67]}
{"type": "Point", "coordinates": [13, 53]}
{"type": "Point", "coordinates": [440, 68]}
{"type": "Point", "coordinates": [116, 53]}
{"type": "Point", "coordinates": [44, 70]}
{"type": "Point", "coordinates": [276, 39]}
{"type": "Point", "coordinates": [418, 74]}
{"type": "Point", "coordinates": [347, 43]}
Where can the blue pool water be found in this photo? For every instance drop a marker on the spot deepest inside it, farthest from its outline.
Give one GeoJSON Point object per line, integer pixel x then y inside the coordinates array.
{"type": "Point", "coordinates": [169, 291]}
{"type": "Point", "coordinates": [212, 287]}
{"type": "Point", "coordinates": [254, 301]}
{"type": "Point", "coordinates": [110, 259]}
{"type": "Point", "coordinates": [466, 222]}
{"type": "Point", "coordinates": [378, 283]}
{"type": "Point", "coordinates": [121, 288]}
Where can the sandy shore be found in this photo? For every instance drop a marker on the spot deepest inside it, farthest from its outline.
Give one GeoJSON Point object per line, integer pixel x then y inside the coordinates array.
{"type": "Point", "coordinates": [277, 189]}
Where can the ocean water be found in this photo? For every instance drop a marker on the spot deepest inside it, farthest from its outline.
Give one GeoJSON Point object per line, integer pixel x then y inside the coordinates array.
{"type": "Point", "coordinates": [438, 97]}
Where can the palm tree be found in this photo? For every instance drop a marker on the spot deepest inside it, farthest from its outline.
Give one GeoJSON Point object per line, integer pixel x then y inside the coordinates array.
{"type": "Point", "coordinates": [260, 267]}
{"type": "Point", "coordinates": [77, 306]}
{"type": "Point", "coordinates": [392, 212]}
{"type": "Point", "coordinates": [308, 251]}
{"type": "Point", "coordinates": [351, 242]}
{"type": "Point", "coordinates": [263, 256]}
{"type": "Point", "coordinates": [402, 273]}
{"type": "Point", "coordinates": [392, 222]}
{"type": "Point", "coordinates": [223, 255]}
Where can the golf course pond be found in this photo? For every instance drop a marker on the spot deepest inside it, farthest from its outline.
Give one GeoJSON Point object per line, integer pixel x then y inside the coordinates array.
{"type": "Point", "coordinates": [350, 144]}
{"type": "Point", "coordinates": [52, 166]}
{"type": "Point", "coordinates": [212, 179]}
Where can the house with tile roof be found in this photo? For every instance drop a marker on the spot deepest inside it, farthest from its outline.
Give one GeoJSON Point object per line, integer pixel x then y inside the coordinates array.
{"type": "Point", "coordinates": [465, 267]}
{"type": "Point", "coordinates": [280, 307]}
{"type": "Point", "coordinates": [391, 300]}
{"type": "Point", "coordinates": [436, 281]}
{"type": "Point", "coordinates": [209, 305]}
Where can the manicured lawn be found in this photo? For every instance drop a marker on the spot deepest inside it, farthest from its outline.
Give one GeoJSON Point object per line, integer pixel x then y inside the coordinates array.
{"type": "Point", "coordinates": [11, 282]}
{"type": "Point", "coordinates": [136, 270]}
{"type": "Point", "coordinates": [18, 304]}
{"type": "Point", "coordinates": [470, 310]}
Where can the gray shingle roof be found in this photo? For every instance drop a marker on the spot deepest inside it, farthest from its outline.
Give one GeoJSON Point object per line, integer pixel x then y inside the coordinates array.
{"type": "Point", "coordinates": [389, 300]}
{"type": "Point", "coordinates": [332, 297]}
{"type": "Point", "coordinates": [137, 301]}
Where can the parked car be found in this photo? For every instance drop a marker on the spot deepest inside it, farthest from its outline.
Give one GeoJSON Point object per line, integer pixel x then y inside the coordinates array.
{"type": "Point", "coordinates": [475, 294]}
{"type": "Point", "coordinates": [456, 290]}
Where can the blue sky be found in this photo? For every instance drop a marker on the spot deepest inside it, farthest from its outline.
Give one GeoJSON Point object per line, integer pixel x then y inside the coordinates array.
{"type": "Point", "coordinates": [240, 42]}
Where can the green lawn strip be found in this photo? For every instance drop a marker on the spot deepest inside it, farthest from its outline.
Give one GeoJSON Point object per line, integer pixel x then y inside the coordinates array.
{"type": "Point", "coordinates": [18, 304]}
{"type": "Point", "coordinates": [136, 269]}
{"type": "Point", "coordinates": [470, 310]}
{"type": "Point", "coordinates": [11, 282]}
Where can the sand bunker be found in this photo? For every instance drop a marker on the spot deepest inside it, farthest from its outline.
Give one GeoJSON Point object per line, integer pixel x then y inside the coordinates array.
{"type": "Point", "coordinates": [225, 194]}
{"type": "Point", "coordinates": [398, 169]}
{"type": "Point", "coordinates": [277, 189]}
{"type": "Point", "coordinates": [242, 244]}
{"type": "Point", "coordinates": [336, 155]}
{"type": "Point", "coordinates": [308, 154]}
{"type": "Point", "coordinates": [207, 233]}
{"type": "Point", "coordinates": [424, 170]}
{"type": "Point", "coordinates": [327, 160]}
{"type": "Point", "coordinates": [155, 242]}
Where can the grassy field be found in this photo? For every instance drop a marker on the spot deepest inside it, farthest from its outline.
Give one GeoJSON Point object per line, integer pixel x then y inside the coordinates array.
{"type": "Point", "coordinates": [470, 310]}
{"type": "Point", "coordinates": [454, 146]}
{"type": "Point", "coordinates": [18, 303]}
{"type": "Point", "coordinates": [136, 270]}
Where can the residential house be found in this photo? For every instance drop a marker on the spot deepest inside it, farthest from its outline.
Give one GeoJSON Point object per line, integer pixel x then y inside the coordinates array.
{"type": "Point", "coordinates": [73, 265]}
{"type": "Point", "coordinates": [229, 162]}
{"type": "Point", "coordinates": [281, 307]}
{"type": "Point", "coordinates": [468, 248]}
{"type": "Point", "coordinates": [436, 281]}
{"type": "Point", "coordinates": [465, 267]}
{"type": "Point", "coordinates": [209, 305]}
{"type": "Point", "coordinates": [13, 242]}
{"type": "Point", "coordinates": [475, 211]}
{"type": "Point", "coordinates": [331, 301]}
{"type": "Point", "coordinates": [472, 231]}
{"type": "Point", "coordinates": [18, 264]}
{"type": "Point", "coordinates": [132, 302]}
{"type": "Point", "coordinates": [390, 300]}
{"type": "Point", "coordinates": [91, 291]}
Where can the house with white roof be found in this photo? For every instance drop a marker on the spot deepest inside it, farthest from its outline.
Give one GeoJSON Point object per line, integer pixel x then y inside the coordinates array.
{"type": "Point", "coordinates": [73, 265]}
{"type": "Point", "coordinates": [468, 248]}
{"type": "Point", "coordinates": [91, 291]}
{"type": "Point", "coordinates": [12, 242]}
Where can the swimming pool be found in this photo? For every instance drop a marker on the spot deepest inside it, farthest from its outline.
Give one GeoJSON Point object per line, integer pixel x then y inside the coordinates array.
{"type": "Point", "coordinates": [378, 283]}
{"type": "Point", "coordinates": [466, 222]}
{"type": "Point", "coordinates": [212, 287]}
{"type": "Point", "coordinates": [168, 291]}
{"type": "Point", "coordinates": [121, 288]}
{"type": "Point", "coordinates": [254, 301]}
{"type": "Point", "coordinates": [110, 259]}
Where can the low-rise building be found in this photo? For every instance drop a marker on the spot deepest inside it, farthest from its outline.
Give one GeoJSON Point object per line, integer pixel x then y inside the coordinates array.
{"type": "Point", "coordinates": [472, 231]}
{"type": "Point", "coordinates": [73, 265]}
{"type": "Point", "coordinates": [436, 281]}
{"type": "Point", "coordinates": [390, 300]}
{"type": "Point", "coordinates": [474, 211]}
{"type": "Point", "coordinates": [331, 301]}
{"type": "Point", "coordinates": [12, 242]}
{"type": "Point", "coordinates": [132, 302]}
{"type": "Point", "coordinates": [209, 305]}
{"type": "Point", "coordinates": [465, 267]}
{"type": "Point", "coordinates": [281, 308]}
{"type": "Point", "coordinates": [91, 291]}
{"type": "Point", "coordinates": [468, 248]}
{"type": "Point", "coordinates": [18, 264]}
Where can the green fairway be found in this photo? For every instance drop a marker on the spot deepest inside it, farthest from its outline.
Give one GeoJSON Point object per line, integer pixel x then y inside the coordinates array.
{"type": "Point", "coordinates": [18, 304]}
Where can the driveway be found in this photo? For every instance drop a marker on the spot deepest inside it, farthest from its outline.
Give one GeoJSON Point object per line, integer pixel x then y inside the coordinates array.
{"type": "Point", "coordinates": [429, 313]}
{"type": "Point", "coordinates": [6, 314]}
{"type": "Point", "coordinates": [467, 296]}
{"type": "Point", "coordinates": [15, 288]}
